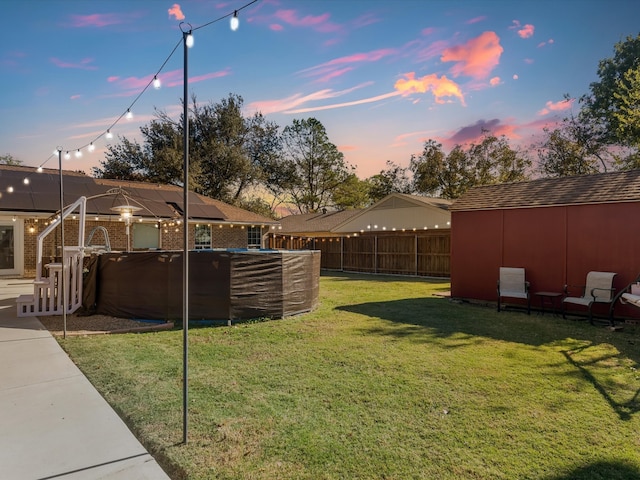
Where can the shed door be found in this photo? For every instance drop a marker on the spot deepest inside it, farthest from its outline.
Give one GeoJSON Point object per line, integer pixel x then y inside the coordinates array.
{"type": "Point", "coordinates": [11, 250]}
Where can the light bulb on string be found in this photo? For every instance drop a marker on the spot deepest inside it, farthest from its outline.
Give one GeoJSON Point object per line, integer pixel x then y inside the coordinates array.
{"type": "Point", "coordinates": [9, 189]}
{"type": "Point", "coordinates": [67, 156]}
{"type": "Point", "coordinates": [234, 23]}
{"type": "Point", "coordinates": [129, 115]}
{"type": "Point", "coordinates": [156, 82]}
{"type": "Point", "coordinates": [91, 147]}
{"type": "Point", "coordinates": [40, 169]}
{"type": "Point", "coordinates": [189, 40]}
{"type": "Point", "coordinates": [109, 135]}
{"type": "Point", "coordinates": [78, 153]}
{"type": "Point", "coordinates": [26, 180]}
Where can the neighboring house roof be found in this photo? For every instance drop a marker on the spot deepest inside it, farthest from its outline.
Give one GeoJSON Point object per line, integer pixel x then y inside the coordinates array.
{"type": "Point", "coordinates": [400, 211]}
{"type": "Point", "coordinates": [42, 195]}
{"type": "Point", "coordinates": [314, 222]}
{"type": "Point", "coordinates": [613, 187]}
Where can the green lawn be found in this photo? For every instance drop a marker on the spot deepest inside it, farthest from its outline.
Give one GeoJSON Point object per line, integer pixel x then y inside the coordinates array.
{"type": "Point", "coordinates": [382, 381]}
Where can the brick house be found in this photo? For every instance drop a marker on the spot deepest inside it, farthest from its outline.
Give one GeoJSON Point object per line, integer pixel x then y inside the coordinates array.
{"type": "Point", "coordinates": [30, 199]}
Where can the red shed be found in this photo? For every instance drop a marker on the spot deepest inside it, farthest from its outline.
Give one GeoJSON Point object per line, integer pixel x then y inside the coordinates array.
{"type": "Point", "coordinates": [558, 229]}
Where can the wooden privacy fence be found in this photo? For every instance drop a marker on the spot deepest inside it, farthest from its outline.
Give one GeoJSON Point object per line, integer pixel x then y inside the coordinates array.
{"type": "Point", "coordinates": [424, 254]}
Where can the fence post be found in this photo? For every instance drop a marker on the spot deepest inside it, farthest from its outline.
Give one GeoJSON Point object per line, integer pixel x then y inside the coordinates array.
{"type": "Point", "coordinates": [416, 253]}
{"type": "Point", "coordinates": [375, 254]}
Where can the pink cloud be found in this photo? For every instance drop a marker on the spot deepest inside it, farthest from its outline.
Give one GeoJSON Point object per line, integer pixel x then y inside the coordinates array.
{"type": "Point", "coordinates": [319, 23]}
{"type": "Point", "coordinates": [362, 101]}
{"type": "Point", "coordinates": [439, 87]}
{"type": "Point", "coordinates": [209, 76]}
{"type": "Point", "coordinates": [84, 64]}
{"type": "Point", "coordinates": [476, 58]}
{"type": "Point", "coordinates": [176, 12]}
{"type": "Point", "coordinates": [428, 31]}
{"type": "Point", "coordinates": [556, 106]}
{"type": "Point", "coordinates": [347, 148]}
{"type": "Point", "coordinates": [526, 31]}
{"type": "Point", "coordinates": [495, 81]}
{"type": "Point", "coordinates": [294, 102]}
{"type": "Point", "coordinates": [75, 97]}
{"type": "Point", "coordinates": [365, 20]}
{"type": "Point", "coordinates": [340, 66]}
{"type": "Point", "coordinates": [97, 20]}
{"type": "Point", "coordinates": [548, 42]}
{"type": "Point", "coordinates": [476, 20]}
{"type": "Point", "coordinates": [474, 133]}
{"type": "Point", "coordinates": [276, 27]}
{"type": "Point", "coordinates": [133, 85]}
{"type": "Point", "coordinates": [523, 32]}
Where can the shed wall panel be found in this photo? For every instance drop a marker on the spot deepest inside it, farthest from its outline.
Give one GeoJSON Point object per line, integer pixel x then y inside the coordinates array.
{"type": "Point", "coordinates": [556, 246]}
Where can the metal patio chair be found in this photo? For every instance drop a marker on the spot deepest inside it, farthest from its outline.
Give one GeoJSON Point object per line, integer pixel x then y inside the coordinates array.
{"type": "Point", "coordinates": [512, 284]}
{"type": "Point", "coordinates": [598, 289]}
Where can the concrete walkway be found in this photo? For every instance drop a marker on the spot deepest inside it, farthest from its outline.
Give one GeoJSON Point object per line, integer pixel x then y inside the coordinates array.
{"type": "Point", "coordinates": [53, 423]}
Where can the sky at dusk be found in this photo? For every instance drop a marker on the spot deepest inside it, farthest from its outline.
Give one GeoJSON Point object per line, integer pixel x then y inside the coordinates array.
{"type": "Point", "coordinates": [382, 76]}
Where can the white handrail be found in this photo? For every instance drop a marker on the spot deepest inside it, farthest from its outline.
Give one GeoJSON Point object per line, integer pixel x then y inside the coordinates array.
{"type": "Point", "coordinates": [82, 203]}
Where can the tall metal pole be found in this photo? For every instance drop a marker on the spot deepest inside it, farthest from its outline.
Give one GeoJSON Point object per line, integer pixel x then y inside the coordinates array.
{"type": "Point", "coordinates": [185, 255]}
{"type": "Point", "coordinates": [61, 283]}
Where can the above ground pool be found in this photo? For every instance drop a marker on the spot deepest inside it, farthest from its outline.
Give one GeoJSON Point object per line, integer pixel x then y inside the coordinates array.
{"type": "Point", "coordinates": [223, 284]}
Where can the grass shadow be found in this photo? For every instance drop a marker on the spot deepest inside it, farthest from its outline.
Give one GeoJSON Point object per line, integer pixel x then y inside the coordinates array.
{"type": "Point", "coordinates": [601, 471]}
{"type": "Point", "coordinates": [430, 319]}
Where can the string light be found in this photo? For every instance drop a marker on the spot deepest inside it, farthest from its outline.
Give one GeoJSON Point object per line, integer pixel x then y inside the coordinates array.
{"type": "Point", "coordinates": [234, 23]}
{"type": "Point", "coordinates": [155, 81]}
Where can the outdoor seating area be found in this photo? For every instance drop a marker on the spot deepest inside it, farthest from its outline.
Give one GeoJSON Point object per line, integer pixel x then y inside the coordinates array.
{"type": "Point", "coordinates": [574, 299]}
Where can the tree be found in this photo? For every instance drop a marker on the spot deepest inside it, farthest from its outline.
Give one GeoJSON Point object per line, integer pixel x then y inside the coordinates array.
{"type": "Point", "coordinates": [122, 162]}
{"type": "Point", "coordinates": [393, 179]}
{"type": "Point", "coordinates": [317, 166]}
{"type": "Point", "coordinates": [560, 156]}
{"type": "Point", "coordinates": [351, 193]}
{"type": "Point", "coordinates": [226, 150]}
{"type": "Point", "coordinates": [612, 102]}
{"type": "Point", "coordinates": [8, 159]}
{"type": "Point", "coordinates": [496, 162]}
{"type": "Point", "coordinates": [450, 175]}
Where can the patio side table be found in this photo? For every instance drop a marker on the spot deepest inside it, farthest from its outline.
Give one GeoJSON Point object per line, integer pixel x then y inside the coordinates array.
{"type": "Point", "coordinates": [550, 299]}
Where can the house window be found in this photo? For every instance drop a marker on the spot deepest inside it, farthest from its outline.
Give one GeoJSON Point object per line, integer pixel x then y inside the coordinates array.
{"type": "Point", "coordinates": [254, 237]}
{"type": "Point", "coordinates": [202, 237]}
{"type": "Point", "coordinates": [6, 247]}
{"type": "Point", "coordinates": [145, 236]}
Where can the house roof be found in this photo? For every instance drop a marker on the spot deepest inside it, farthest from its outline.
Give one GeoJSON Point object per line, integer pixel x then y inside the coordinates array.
{"type": "Point", "coordinates": [42, 195]}
{"type": "Point", "coordinates": [339, 222]}
{"type": "Point", "coordinates": [613, 187]}
{"type": "Point", "coordinates": [315, 222]}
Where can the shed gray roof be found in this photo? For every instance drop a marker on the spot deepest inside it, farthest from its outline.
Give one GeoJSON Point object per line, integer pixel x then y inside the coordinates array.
{"type": "Point", "coordinates": [42, 195]}
{"type": "Point", "coordinates": [613, 187]}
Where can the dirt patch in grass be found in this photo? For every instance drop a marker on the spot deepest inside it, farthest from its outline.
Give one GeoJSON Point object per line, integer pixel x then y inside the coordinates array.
{"type": "Point", "coordinates": [99, 324]}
